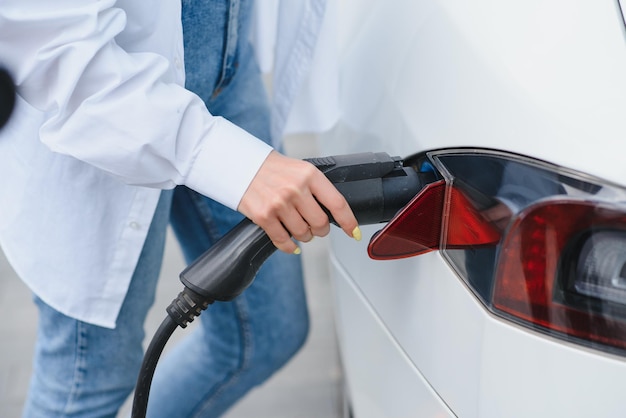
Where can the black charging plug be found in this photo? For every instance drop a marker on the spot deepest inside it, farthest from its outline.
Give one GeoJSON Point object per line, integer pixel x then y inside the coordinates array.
{"type": "Point", "coordinates": [375, 185]}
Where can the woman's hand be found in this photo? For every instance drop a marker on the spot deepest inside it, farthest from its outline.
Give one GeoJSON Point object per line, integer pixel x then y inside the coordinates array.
{"type": "Point", "coordinates": [282, 200]}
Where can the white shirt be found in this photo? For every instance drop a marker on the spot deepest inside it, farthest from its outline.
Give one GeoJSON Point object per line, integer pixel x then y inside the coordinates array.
{"type": "Point", "coordinates": [102, 123]}
{"type": "Point", "coordinates": [297, 41]}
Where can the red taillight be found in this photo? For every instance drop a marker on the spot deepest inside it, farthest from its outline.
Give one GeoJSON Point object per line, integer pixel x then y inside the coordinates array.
{"type": "Point", "coordinates": [529, 280]}
{"type": "Point", "coordinates": [418, 227]}
{"type": "Point", "coordinates": [415, 229]}
{"type": "Point", "coordinates": [466, 227]}
{"type": "Point", "coordinates": [536, 243]}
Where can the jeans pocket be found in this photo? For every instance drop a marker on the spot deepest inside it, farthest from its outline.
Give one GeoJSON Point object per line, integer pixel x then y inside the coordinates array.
{"type": "Point", "coordinates": [230, 56]}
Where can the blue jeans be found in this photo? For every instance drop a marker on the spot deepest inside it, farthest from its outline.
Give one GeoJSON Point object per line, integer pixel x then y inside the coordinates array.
{"type": "Point", "coordinates": [81, 370]}
{"type": "Point", "coordinates": [240, 343]}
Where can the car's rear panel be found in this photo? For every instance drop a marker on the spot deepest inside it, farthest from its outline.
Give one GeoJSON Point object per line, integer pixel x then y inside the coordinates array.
{"type": "Point", "coordinates": [478, 364]}
{"type": "Point", "coordinates": [546, 80]}
{"type": "Point", "coordinates": [383, 381]}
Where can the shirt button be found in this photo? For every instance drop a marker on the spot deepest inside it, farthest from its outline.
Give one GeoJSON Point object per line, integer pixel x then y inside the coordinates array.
{"type": "Point", "coordinates": [134, 225]}
{"type": "Point", "coordinates": [177, 63]}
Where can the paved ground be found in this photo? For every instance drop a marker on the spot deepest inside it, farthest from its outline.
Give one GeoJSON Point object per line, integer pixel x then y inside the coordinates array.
{"type": "Point", "coordinates": [308, 387]}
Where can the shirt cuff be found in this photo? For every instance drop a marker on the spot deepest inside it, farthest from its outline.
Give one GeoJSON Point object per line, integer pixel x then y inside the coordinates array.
{"type": "Point", "coordinates": [223, 172]}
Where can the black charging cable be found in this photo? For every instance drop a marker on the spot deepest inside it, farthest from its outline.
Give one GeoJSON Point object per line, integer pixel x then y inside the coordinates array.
{"type": "Point", "coordinates": [181, 311]}
{"type": "Point", "coordinates": [375, 186]}
{"type": "Point", "coordinates": [222, 273]}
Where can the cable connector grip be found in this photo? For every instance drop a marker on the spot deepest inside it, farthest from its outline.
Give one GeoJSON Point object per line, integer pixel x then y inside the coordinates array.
{"type": "Point", "coordinates": [187, 306]}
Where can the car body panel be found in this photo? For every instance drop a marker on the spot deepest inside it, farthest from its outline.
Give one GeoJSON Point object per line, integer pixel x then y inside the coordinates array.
{"type": "Point", "coordinates": [389, 388]}
{"type": "Point", "coordinates": [480, 365]}
{"type": "Point", "coordinates": [545, 79]}
{"type": "Point", "coordinates": [537, 76]}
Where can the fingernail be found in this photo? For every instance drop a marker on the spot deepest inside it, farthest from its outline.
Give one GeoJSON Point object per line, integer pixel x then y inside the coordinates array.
{"type": "Point", "coordinates": [297, 251]}
{"type": "Point", "coordinates": [356, 233]}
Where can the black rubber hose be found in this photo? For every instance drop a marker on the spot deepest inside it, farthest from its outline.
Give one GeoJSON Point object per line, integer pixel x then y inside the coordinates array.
{"type": "Point", "coordinates": [183, 309]}
{"type": "Point", "coordinates": [144, 381]}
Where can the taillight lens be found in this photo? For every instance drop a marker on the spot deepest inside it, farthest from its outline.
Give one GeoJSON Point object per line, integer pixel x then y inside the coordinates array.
{"type": "Point", "coordinates": [537, 244]}
{"type": "Point", "coordinates": [600, 268]}
{"type": "Point", "coordinates": [417, 228]}
{"type": "Point", "coordinates": [560, 269]}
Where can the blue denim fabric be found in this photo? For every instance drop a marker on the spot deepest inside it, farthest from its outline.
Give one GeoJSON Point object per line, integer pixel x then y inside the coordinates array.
{"type": "Point", "coordinates": [82, 370]}
{"type": "Point", "coordinates": [241, 343]}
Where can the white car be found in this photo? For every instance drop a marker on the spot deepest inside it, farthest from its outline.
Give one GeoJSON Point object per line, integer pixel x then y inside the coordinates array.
{"type": "Point", "coordinates": [500, 290]}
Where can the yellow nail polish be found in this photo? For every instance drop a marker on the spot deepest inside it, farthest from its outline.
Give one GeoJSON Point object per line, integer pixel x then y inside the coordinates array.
{"type": "Point", "coordinates": [356, 234]}
{"type": "Point", "coordinates": [297, 251]}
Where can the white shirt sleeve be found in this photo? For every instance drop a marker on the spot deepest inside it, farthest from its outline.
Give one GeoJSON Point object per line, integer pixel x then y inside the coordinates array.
{"type": "Point", "coordinates": [118, 105]}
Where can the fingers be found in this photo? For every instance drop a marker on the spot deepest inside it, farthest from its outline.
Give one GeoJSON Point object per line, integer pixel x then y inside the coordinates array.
{"type": "Point", "coordinates": [294, 222]}
{"type": "Point", "coordinates": [315, 218]}
{"type": "Point", "coordinates": [283, 200]}
{"type": "Point", "coordinates": [336, 204]}
{"type": "Point", "coordinates": [280, 237]}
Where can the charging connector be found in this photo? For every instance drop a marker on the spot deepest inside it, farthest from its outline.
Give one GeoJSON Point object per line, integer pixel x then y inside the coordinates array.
{"type": "Point", "coordinates": [375, 185]}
